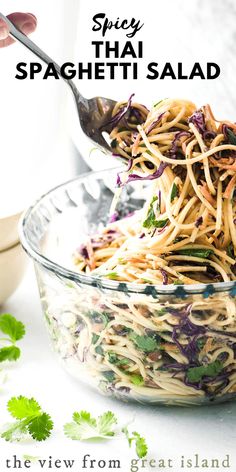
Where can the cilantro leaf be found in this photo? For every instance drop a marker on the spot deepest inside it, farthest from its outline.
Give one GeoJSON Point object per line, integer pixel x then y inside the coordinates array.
{"type": "Point", "coordinates": [99, 350]}
{"type": "Point", "coordinates": [14, 431]}
{"type": "Point", "coordinates": [151, 220]}
{"type": "Point", "coordinates": [140, 442]}
{"type": "Point", "coordinates": [178, 282]}
{"type": "Point", "coordinates": [9, 353]}
{"type": "Point", "coordinates": [85, 427]}
{"type": "Point", "coordinates": [111, 275]}
{"type": "Point", "coordinates": [195, 374]}
{"type": "Point", "coordinates": [137, 379]}
{"type": "Point", "coordinates": [22, 407]}
{"type": "Point", "coordinates": [174, 192]}
{"type": "Point", "coordinates": [230, 250]}
{"type": "Point", "coordinates": [140, 445]}
{"type": "Point", "coordinates": [109, 375]}
{"type": "Point", "coordinates": [106, 423]}
{"type": "Point", "coordinates": [13, 328]}
{"type": "Point", "coordinates": [40, 427]}
{"type": "Point", "coordinates": [231, 136]}
{"type": "Point", "coordinates": [114, 359]}
{"type": "Point", "coordinates": [151, 217]}
{"type": "Point", "coordinates": [203, 253]}
{"type": "Point", "coordinates": [32, 421]}
{"type": "Point", "coordinates": [84, 416]}
{"type": "Point", "coordinates": [95, 338]}
{"type": "Point", "coordinates": [145, 343]}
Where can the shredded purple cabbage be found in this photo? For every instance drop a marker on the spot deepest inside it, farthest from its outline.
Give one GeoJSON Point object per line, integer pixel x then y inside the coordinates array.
{"type": "Point", "coordinates": [174, 146]}
{"type": "Point", "coordinates": [129, 166]}
{"type": "Point", "coordinates": [83, 251]}
{"type": "Point", "coordinates": [225, 131]}
{"type": "Point", "coordinates": [115, 215]}
{"type": "Point", "coordinates": [154, 123]}
{"type": "Point", "coordinates": [183, 313]}
{"type": "Point", "coordinates": [164, 276]}
{"type": "Point", "coordinates": [120, 114]}
{"type": "Point", "coordinates": [198, 120]}
{"type": "Point", "coordinates": [187, 328]}
{"type": "Point", "coordinates": [159, 199]}
{"type": "Point", "coordinates": [158, 173]}
{"type": "Point", "coordinates": [198, 221]}
{"type": "Point", "coordinates": [137, 114]}
{"type": "Point", "coordinates": [106, 238]}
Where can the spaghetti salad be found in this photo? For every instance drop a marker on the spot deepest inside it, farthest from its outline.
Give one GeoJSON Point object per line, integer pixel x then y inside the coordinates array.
{"type": "Point", "coordinates": [186, 231]}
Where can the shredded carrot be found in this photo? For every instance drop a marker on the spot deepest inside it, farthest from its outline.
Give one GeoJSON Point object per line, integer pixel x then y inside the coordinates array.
{"type": "Point", "coordinates": [229, 187]}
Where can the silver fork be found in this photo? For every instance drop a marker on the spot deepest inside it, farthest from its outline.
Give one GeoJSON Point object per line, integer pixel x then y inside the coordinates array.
{"type": "Point", "coordinates": [94, 113]}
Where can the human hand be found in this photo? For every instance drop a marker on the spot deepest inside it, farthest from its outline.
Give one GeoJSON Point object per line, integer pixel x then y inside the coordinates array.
{"type": "Point", "coordinates": [26, 22]}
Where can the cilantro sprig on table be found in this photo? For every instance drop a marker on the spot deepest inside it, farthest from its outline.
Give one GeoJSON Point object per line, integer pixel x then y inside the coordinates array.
{"type": "Point", "coordinates": [84, 427]}
{"type": "Point", "coordinates": [31, 420]}
{"type": "Point", "coordinates": [140, 442]}
{"type": "Point", "coordinates": [13, 330]}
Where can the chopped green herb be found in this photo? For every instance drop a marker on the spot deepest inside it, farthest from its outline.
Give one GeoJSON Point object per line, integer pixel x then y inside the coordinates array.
{"type": "Point", "coordinates": [160, 223]}
{"type": "Point", "coordinates": [114, 359]}
{"type": "Point", "coordinates": [31, 420]}
{"type": "Point", "coordinates": [159, 102]}
{"type": "Point", "coordinates": [99, 350]}
{"type": "Point", "coordinates": [145, 343]}
{"type": "Point", "coordinates": [201, 343]}
{"type": "Point", "coordinates": [109, 375]}
{"type": "Point", "coordinates": [231, 136]}
{"type": "Point", "coordinates": [84, 427]}
{"type": "Point", "coordinates": [195, 374]}
{"type": "Point", "coordinates": [95, 338]}
{"type": "Point", "coordinates": [140, 443]}
{"type": "Point", "coordinates": [160, 312]}
{"type": "Point", "coordinates": [151, 217]}
{"type": "Point", "coordinates": [111, 275]}
{"type": "Point", "coordinates": [114, 143]}
{"type": "Point", "coordinates": [230, 250]}
{"type": "Point", "coordinates": [178, 282]}
{"type": "Point", "coordinates": [174, 192]}
{"type": "Point", "coordinates": [202, 253]}
{"type": "Point", "coordinates": [147, 281]}
{"type": "Point", "coordinates": [151, 220]}
{"type": "Point", "coordinates": [137, 379]}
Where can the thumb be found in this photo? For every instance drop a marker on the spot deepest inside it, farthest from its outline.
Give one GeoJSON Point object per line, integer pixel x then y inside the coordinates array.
{"type": "Point", "coordinates": [25, 22]}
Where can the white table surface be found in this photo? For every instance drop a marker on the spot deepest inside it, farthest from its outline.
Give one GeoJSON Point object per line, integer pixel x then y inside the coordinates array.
{"type": "Point", "coordinates": [170, 432]}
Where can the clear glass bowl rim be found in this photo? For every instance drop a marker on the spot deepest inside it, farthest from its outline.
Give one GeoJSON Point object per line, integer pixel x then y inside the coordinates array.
{"type": "Point", "coordinates": [178, 290]}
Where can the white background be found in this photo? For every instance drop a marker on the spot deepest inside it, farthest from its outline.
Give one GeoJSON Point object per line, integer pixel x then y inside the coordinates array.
{"type": "Point", "coordinates": [35, 124]}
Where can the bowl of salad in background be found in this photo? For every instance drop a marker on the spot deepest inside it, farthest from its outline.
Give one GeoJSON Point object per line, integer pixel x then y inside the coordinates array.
{"type": "Point", "coordinates": [13, 263]}
{"type": "Point", "coordinates": [9, 230]}
{"type": "Point", "coordinates": [171, 344]}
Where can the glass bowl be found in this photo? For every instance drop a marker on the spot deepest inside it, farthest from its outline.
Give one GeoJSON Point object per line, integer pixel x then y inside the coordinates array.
{"type": "Point", "coordinates": [173, 345]}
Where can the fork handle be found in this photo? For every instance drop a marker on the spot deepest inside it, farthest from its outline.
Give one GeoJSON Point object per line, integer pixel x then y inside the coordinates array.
{"type": "Point", "coordinates": [26, 41]}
